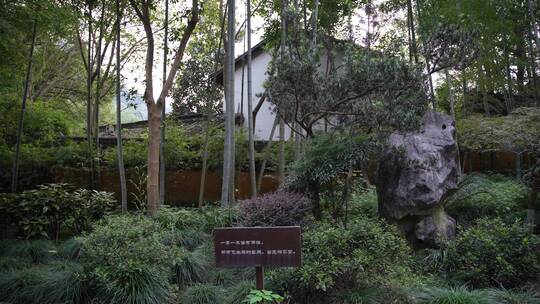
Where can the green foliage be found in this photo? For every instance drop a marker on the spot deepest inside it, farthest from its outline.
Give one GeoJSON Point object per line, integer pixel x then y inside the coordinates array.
{"type": "Point", "coordinates": [202, 294]}
{"type": "Point", "coordinates": [128, 259]}
{"type": "Point", "coordinates": [327, 156]}
{"type": "Point", "coordinates": [455, 295]}
{"type": "Point", "coordinates": [493, 253]}
{"type": "Point", "coordinates": [50, 209]}
{"type": "Point", "coordinates": [263, 297]}
{"type": "Point", "coordinates": [368, 253]}
{"type": "Point", "coordinates": [204, 220]}
{"type": "Point", "coordinates": [482, 195]}
{"type": "Point", "coordinates": [58, 282]}
{"type": "Point", "coordinates": [190, 267]}
{"type": "Point", "coordinates": [349, 90]}
{"type": "Point", "coordinates": [515, 132]}
{"type": "Point", "coordinates": [14, 263]}
{"type": "Point", "coordinates": [238, 291]}
{"type": "Point", "coordinates": [364, 202]}
{"type": "Point", "coordinates": [505, 296]}
{"type": "Point", "coordinates": [38, 251]}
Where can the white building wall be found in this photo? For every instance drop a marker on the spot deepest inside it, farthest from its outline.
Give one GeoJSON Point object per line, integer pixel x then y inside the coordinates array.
{"type": "Point", "coordinates": [265, 116]}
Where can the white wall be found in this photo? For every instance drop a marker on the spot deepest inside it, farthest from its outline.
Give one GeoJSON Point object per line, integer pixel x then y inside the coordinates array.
{"type": "Point", "coordinates": [265, 116]}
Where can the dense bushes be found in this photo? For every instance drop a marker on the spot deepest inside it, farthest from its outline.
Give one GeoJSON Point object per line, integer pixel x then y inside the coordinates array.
{"type": "Point", "coordinates": [280, 208]}
{"type": "Point", "coordinates": [482, 195]}
{"type": "Point", "coordinates": [366, 253]}
{"type": "Point", "coordinates": [493, 253]}
{"type": "Point", "coordinates": [129, 259]}
{"type": "Point", "coordinates": [52, 209]}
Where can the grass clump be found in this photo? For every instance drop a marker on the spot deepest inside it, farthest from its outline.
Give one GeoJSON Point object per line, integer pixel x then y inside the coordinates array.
{"type": "Point", "coordinates": [454, 295]}
{"type": "Point", "coordinates": [203, 294]}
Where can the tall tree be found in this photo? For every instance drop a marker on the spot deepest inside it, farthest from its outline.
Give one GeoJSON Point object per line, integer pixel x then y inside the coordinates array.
{"type": "Point", "coordinates": [15, 174]}
{"type": "Point", "coordinates": [162, 170]}
{"type": "Point", "coordinates": [227, 186]}
{"type": "Point", "coordinates": [119, 148]}
{"type": "Point", "coordinates": [89, 115]}
{"type": "Point", "coordinates": [410, 19]}
{"type": "Point", "coordinates": [99, 61]}
{"type": "Point", "coordinates": [251, 140]}
{"type": "Point", "coordinates": [155, 106]}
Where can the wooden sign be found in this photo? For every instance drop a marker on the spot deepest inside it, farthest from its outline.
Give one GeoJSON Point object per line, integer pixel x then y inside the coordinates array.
{"type": "Point", "coordinates": [258, 246]}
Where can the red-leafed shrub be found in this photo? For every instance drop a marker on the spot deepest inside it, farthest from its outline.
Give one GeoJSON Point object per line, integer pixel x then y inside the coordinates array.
{"type": "Point", "coordinates": [281, 208]}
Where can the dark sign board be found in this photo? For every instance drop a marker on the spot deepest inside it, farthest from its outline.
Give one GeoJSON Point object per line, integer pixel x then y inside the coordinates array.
{"type": "Point", "coordinates": [258, 246]}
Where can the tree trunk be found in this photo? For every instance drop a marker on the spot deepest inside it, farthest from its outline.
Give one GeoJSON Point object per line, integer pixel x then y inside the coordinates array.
{"type": "Point", "coordinates": [452, 98]}
{"type": "Point", "coordinates": [314, 25]}
{"type": "Point", "coordinates": [266, 154]}
{"type": "Point", "coordinates": [154, 142]}
{"type": "Point", "coordinates": [521, 59]}
{"type": "Point", "coordinates": [98, 99]}
{"type": "Point", "coordinates": [89, 100]}
{"type": "Point", "coordinates": [204, 155]}
{"type": "Point", "coordinates": [15, 174]}
{"type": "Point", "coordinates": [227, 186]}
{"type": "Point", "coordinates": [162, 170]}
{"type": "Point", "coordinates": [314, 190]}
{"type": "Point", "coordinates": [534, 32]}
{"type": "Point", "coordinates": [119, 148]}
{"type": "Point", "coordinates": [281, 168]}
{"type": "Point", "coordinates": [428, 65]}
{"type": "Point", "coordinates": [251, 139]}
{"type": "Point", "coordinates": [533, 74]}
{"type": "Point", "coordinates": [510, 103]}
{"type": "Point", "coordinates": [464, 92]}
{"type": "Point", "coordinates": [413, 35]}
{"type": "Point", "coordinates": [484, 91]}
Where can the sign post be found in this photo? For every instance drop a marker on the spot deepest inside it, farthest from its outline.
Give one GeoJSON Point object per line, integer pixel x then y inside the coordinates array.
{"type": "Point", "coordinates": [258, 247]}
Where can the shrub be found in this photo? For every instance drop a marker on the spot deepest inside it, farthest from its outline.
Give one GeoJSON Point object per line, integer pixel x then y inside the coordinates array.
{"type": "Point", "coordinates": [482, 195]}
{"type": "Point", "coordinates": [493, 253]}
{"type": "Point", "coordinates": [364, 202]}
{"type": "Point", "coordinates": [193, 219]}
{"type": "Point", "coordinates": [129, 259]}
{"type": "Point", "coordinates": [279, 208]}
{"type": "Point", "coordinates": [367, 253]}
{"type": "Point", "coordinates": [50, 209]}
{"type": "Point", "coordinates": [455, 295]}
{"type": "Point", "coordinates": [202, 294]}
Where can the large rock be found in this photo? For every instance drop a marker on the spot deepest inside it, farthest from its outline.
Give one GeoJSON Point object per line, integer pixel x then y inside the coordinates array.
{"type": "Point", "coordinates": [415, 173]}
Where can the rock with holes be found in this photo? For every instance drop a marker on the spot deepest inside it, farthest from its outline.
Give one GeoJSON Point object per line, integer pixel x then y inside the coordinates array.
{"type": "Point", "coordinates": [415, 173]}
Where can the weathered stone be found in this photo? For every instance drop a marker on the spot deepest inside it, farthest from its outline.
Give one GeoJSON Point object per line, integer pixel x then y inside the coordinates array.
{"type": "Point", "coordinates": [435, 228]}
{"type": "Point", "coordinates": [417, 171]}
